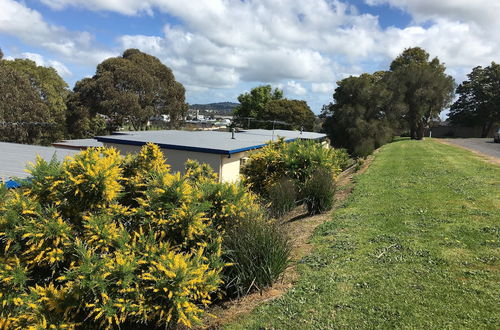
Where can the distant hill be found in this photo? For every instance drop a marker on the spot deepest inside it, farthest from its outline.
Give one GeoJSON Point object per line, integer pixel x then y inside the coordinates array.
{"type": "Point", "coordinates": [220, 107]}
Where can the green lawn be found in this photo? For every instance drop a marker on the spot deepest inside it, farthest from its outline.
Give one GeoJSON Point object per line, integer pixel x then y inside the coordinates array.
{"type": "Point", "coordinates": [415, 246]}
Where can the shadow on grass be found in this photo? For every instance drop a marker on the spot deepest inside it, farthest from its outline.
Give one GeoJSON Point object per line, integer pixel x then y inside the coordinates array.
{"type": "Point", "coordinates": [298, 217]}
{"type": "Point", "coordinates": [400, 138]}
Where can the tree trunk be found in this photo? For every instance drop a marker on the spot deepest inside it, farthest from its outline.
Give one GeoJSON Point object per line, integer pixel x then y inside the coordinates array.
{"type": "Point", "coordinates": [486, 129]}
{"type": "Point", "coordinates": [420, 130]}
{"type": "Point", "coordinates": [413, 130]}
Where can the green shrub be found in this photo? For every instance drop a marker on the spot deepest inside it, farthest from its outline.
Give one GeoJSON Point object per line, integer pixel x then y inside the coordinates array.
{"type": "Point", "coordinates": [365, 148]}
{"type": "Point", "coordinates": [256, 250]}
{"type": "Point", "coordinates": [103, 241]}
{"type": "Point", "coordinates": [342, 158]}
{"type": "Point", "coordinates": [295, 160]}
{"type": "Point", "coordinates": [319, 192]}
{"type": "Point", "coordinates": [282, 196]}
{"type": "Point", "coordinates": [300, 161]}
{"type": "Point", "coordinates": [259, 252]}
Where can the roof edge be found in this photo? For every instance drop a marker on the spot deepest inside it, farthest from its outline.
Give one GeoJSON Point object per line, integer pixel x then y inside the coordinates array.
{"type": "Point", "coordinates": [164, 146]}
{"type": "Point", "coordinates": [195, 149]}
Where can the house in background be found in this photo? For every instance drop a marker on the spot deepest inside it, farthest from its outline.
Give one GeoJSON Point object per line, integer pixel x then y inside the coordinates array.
{"type": "Point", "coordinates": [223, 151]}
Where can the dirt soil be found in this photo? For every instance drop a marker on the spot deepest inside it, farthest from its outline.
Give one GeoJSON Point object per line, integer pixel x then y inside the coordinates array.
{"type": "Point", "coordinates": [300, 226]}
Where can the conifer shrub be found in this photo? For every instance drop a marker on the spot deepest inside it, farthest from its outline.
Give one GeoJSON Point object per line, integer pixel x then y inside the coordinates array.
{"type": "Point", "coordinates": [105, 241]}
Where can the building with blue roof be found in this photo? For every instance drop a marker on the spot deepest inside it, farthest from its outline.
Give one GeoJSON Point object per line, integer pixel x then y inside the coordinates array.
{"type": "Point", "coordinates": [223, 151]}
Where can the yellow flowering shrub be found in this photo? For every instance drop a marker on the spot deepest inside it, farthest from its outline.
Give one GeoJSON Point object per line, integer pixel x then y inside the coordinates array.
{"type": "Point", "coordinates": [297, 162]}
{"type": "Point", "coordinates": [198, 173]}
{"type": "Point", "coordinates": [105, 241]}
{"type": "Point", "coordinates": [138, 169]}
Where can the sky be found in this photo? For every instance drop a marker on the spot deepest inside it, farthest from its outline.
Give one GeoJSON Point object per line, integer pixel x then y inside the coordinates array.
{"type": "Point", "coordinates": [219, 49]}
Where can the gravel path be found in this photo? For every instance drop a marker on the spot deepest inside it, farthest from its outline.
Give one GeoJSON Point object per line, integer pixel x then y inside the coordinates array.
{"type": "Point", "coordinates": [484, 146]}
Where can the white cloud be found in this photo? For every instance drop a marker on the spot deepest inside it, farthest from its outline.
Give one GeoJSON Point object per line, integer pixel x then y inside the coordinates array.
{"type": "Point", "coordinates": [314, 41]}
{"type": "Point", "coordinates": [39, 60]}
{"type": "Point", "coordinates": [482, 12]}
{"type": "Point", "coordinates": [28, 25]}
{"type": "Point", "coordinates": [457, 44]}
{"type": "Point", "coordinates": [461, 33]}
{"type": "Point", "coordinates": [126, 7]}
{"type": "Point", "coordinates": [294, 88]}
{"type": "Point", "coordinates": [303, 45]}
{"type": "Point", "coordinates": [252, 41]}
{"type": "Point", "coordinates": [324, 88]}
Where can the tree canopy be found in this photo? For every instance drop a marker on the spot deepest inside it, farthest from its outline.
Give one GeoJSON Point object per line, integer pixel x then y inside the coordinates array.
{"type": "Point", "coordinates": [253, 104]}
{"type": "Point", "coordinates": [370, 109]}
{"type": "Point", "coordinates": [268, 108]}
{"type": "Point", "coordinates": [129, 89]}
{"type": "Point", "coordinates": [421, 87]}
{"type": "Point", "coordinates": [479, 99]}
{"type": "Point", "coordinates": [362, 117]}
{"type": "Point", "coordinates": [295, 113]}
{"type": "Point", "coordinates": [32, 102]}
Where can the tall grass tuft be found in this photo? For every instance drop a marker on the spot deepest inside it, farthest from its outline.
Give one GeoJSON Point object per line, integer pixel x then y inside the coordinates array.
{"type": "Point", "coordinates": [259, 251]}
{"type": "Point", "coordinates": [282, 196]}
{"type": "Point", "coordinates": [319, 192]}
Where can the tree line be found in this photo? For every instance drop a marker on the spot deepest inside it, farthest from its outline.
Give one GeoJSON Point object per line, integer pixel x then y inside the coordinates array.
{"type": "Point", "coordinates": [369, 110]}
{"type": "Point", "coordinates": [36, 106]}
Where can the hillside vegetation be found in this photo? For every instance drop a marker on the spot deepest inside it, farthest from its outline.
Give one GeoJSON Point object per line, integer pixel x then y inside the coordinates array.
{"type": "Point", "coordinates": [415, 246]}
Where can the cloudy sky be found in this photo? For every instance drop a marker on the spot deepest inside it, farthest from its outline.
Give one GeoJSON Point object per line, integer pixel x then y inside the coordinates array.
{"type": "Point", "coordinates": [221, 48]}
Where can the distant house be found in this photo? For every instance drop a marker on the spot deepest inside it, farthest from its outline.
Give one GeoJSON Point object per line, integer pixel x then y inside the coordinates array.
{"type": "Point", "coordinates": [223, 151]}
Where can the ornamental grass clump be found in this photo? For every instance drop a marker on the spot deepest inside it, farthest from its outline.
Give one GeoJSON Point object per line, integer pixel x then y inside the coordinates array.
{"type": "Point", "coordinates": [319, 192]}
{"type": "Point", "coordinates": [256, 251]}
{"type": "Point", "coordinates": [105, 241]}
{"type": "Point", "coordinates": [282, 197]}
{"type": "Point", "coordinates": [259, 252]}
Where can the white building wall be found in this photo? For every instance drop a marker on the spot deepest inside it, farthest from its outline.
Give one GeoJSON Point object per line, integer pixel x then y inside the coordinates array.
{"type": "Point", "coordinates": [228, 168]}
{"type": "Point", "coordinates": [231, 167]}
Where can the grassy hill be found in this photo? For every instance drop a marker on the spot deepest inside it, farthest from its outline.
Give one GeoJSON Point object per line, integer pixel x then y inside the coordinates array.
{"type": "Point", "coordinates": [415, 246]}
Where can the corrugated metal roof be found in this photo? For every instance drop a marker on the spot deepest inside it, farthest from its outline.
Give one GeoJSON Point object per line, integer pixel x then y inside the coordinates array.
{"type": "Point", "coordinates": [14, 157]}
{"type": "Point", "coordinates": [208, 141]}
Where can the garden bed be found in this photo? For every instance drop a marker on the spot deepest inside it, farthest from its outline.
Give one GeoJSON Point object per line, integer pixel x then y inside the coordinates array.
{"type": "Point", "coordinates": [300, 227]}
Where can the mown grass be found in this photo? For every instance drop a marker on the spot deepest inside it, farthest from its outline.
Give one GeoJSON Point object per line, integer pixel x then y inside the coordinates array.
{"type": "Point", "coordinates": [416, 245]}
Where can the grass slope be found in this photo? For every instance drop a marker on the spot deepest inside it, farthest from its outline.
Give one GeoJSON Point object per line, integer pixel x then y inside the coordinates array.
{"type": "Point", "coordinates": [415, 246]}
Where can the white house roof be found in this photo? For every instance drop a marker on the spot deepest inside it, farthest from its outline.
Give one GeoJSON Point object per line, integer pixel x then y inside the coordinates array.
{"type": "Point", "coordinates": [208, 141]}
{"type": "Point", "coordinates": [14, 157]}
